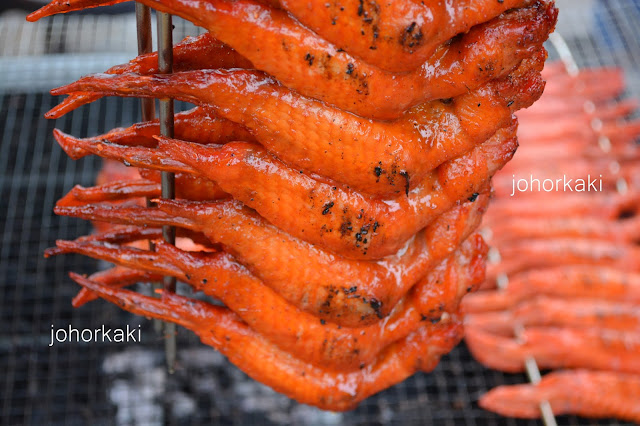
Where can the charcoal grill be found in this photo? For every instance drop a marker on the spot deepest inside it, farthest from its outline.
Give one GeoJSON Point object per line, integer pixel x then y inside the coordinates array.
{"type": "Point", "coordinates": [116, 383]}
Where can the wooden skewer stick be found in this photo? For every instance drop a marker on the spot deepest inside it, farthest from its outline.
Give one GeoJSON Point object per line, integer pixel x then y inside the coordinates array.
{"type": "Point", "coordinates": [530, 364]}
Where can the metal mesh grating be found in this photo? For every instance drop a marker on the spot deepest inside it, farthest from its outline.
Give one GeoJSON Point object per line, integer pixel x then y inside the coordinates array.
{"type": "Point", "coordinates": [126, 383]}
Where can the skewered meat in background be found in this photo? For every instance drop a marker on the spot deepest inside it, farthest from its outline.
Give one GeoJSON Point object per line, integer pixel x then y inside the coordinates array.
{"type": "Point", "coordinates": [301, 60]}
{"type": "Point", "coordinates": [334, 191]}
{"type": "Point", "coordinates": [584, 392]}
{"type": "Point", "coordinates": [572, 298]}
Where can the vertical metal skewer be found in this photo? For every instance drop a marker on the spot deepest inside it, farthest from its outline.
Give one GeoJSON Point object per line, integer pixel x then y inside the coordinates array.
{"type": "Point", "coordinates": [145, 45]}
{"type": "Point", "coordinates": [165, 66]}
{"type": "Point", "coordinates": [147, 105]}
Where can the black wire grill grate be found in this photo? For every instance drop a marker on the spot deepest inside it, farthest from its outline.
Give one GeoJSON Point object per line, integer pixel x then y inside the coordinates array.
{"type": "Point", "coordinates": [126, 384]}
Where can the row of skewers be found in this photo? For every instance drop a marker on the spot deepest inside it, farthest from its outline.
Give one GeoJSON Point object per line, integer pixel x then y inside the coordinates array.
{"type": "Point", "coordinates": [564, 288]}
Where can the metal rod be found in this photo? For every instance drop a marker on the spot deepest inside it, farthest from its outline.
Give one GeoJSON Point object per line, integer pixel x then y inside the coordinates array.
{"type": "Point", "coordinates": [147, 107]}
{"type": "Point", "coordinates": [165, 66]}
{"type": "Point", "coordinates": [145, 45]}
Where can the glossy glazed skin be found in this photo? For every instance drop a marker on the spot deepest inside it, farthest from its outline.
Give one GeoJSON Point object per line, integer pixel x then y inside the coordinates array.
{"type": "Point", "coordinates": [192, 53]}
{"type": "Point", "coordinates": [589, 281]}
{"type": "Point", "coordinates": [64, 6]}
{"type": "Point", "coordinates": [372, 157]}
{"type": "Point", "coordinates": [369, 208]}
{"type": "Point", "coordinates": [568, 125]}
{"type": "Point", "coordinates": [347, 292]}
{"type": "Point", "coordinates": [331, 216]}
{"type": "Point", "coordinates": [136, 236]}
{"type": "Point", "coordinates": [306, 337]}
{"type": "Point", "coordinates": [199, 124]}
{"type": "Point", "coordinates": [396, 36]}
{"type": "Point", "coordinates": [117, 190]}
{"type": "Point", "coordinates": [187, 187]}
{"type": "Point", "coordinates": [117, 276]}
{"type": "Point", "coordinates": [555, 347]}
{"type": "Point", "coordinates": [263, 361]}
{"type": "Point", "coordinates": [304, 62]}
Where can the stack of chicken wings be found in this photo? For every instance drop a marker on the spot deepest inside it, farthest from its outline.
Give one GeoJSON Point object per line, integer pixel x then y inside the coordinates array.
{"type": "Point", "coordinates": [331, 175]}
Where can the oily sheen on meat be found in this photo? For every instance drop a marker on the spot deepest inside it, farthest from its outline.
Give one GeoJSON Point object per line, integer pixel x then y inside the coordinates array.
{"type": "Point", "coordinates": [330, 179]}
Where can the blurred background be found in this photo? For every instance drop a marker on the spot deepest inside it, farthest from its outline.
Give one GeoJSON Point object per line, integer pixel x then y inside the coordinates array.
{"type": "Point", "coordinates": [126, 384]}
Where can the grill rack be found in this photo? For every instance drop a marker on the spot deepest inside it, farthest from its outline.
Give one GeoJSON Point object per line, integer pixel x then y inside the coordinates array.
{"type": "Point", "coordinates": [116, 383]}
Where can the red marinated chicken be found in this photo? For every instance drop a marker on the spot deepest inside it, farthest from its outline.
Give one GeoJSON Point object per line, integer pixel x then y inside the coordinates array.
{"type": "Point", "coordinates": [330, 179]}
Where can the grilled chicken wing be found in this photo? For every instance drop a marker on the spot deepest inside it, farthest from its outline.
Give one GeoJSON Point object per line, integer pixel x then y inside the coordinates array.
{"type": "Point", "coordinates": [373, 157]}
{"type": "Point", "coordinates": [302, 61]}
{"type": "Point", "coordinates": [396, 36]}
{"type": "Point", "coordinates": [324, 213]}
{"type": "Point", "coordinates": [305, 336]}
{"type": "Point", "coordinates": [264, 249]}
{"type": "Point", "coordinates": [192, 53]}
{"type": "Point", "coordinates": [260, 359]}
